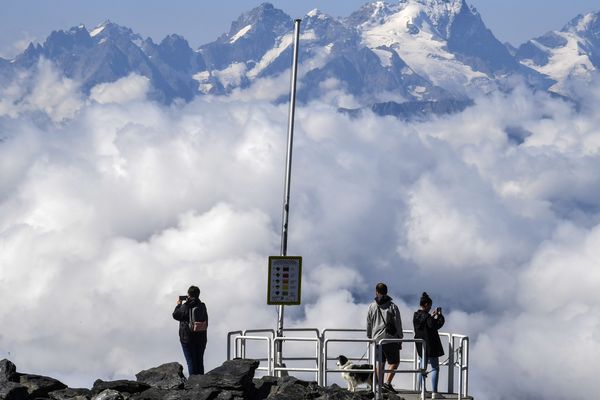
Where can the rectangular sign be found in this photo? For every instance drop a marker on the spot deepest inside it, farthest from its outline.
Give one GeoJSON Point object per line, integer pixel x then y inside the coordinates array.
{"type": "Point", "coordinates": [285, 278]}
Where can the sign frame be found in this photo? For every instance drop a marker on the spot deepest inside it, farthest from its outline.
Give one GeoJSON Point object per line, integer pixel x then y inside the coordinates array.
{"type": "Point", "coordinates": [298, 260]}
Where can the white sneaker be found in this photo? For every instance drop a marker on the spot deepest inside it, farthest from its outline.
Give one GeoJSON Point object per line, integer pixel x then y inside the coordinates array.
{"type": "Point", "coordinates": [434, 395]}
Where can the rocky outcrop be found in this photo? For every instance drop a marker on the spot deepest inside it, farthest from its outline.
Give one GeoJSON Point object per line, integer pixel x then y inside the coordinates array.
{"type": "Point", "coordinates": [71, 394]}
{"type": "Point", "coordinates": [40, 386]}
{"type": "Point", "coordinates": [13, 391]}
{"type": "Point", "coordinates": [121, 386]}
{"type": "Point", "coordinates": [234, 380]}
{"type": "Point", "coordinates": [8, 371]}
{"type": "Point", "coordinates": [166, 376]}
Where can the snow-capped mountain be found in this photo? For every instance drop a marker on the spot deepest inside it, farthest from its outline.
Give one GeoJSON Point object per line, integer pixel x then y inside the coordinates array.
{"type": "Point", "coordinates": [110, 52]}
{"type": "Point", "coordinates": [418, 51]}
{"type": "Point", "coordinates": [332, 55]}
{"type": "Point", "coordinates": [573, 53]}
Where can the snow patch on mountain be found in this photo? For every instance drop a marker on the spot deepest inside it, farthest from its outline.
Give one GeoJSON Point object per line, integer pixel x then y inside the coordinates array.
{"type": "Point", "coordinates": [412, 34]}
{"type": "Point", "coordinates": [385, 56]}
{"type": "Point", "coordinates": [231, 76]}
{"type": "Point", "coordinates": [565, 55]}
{"type": "Point", "coordinates": [96, 30]}
{"type": "Point", "coordinates": [565, 62]}
{"type": "Point", "coordinates": [316, 13]}
{"type": "Point", "coordinates": [586, 22]}
{"type": "Point", "coordinates": [240, 33]}
{"type": "Point", "coordinates": [283, 43]}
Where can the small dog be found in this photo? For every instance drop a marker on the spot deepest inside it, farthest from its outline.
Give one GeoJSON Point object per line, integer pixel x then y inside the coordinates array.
{"type": "Point", "coordinates": [355, 378]}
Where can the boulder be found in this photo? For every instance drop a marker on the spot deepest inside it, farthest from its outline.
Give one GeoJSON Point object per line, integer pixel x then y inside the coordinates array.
{"type": "Point", "coordinates": [123, 386]}
{"type": "Point", "coordinates": [263, 386]}
{"type": "Point", "coordinates": [198, 394]}
{"type": "Point", "coordinates": [231, 395]}
{"type": "Point", "coordinates": [236, 373]}
{"type": "Point", "coordinates": [166, 376]}
{"type": "Point", "coordinates": [13, 391]}
{"type": "Point", "coordinates": [334, 392]}
{"type": "Point", "coordinates": [232, 375]}
{"type": "Point", "coordinates": [289, 388]}
{"type": "Point", "coordinates": [156, 394]}
{"type": "Point", "coordinates": [8, 371]}
{"type": "Point", "coordinates": [109, 394]}
{"type": "Point", "coordinates": [70, 394]}
{"type": "Point", "coordinates": [40, 386]}
{"type": "Point", "coordinates": [175, 394]}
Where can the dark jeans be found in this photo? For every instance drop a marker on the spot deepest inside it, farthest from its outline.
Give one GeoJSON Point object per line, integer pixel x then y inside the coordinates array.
{"type": "Point", "coordinates": [194, 353]}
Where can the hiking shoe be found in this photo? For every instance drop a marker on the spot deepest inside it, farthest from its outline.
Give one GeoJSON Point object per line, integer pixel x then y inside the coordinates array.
{"type": "Point", "coordinates": [389, 388]}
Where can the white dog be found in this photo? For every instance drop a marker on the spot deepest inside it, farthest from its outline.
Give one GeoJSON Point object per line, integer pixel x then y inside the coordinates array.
{"type": "Point", "coordinates": [355, 378]}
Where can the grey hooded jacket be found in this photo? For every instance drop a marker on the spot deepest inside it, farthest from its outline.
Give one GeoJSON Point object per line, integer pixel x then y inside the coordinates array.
{"type": "Point", "coordinates": [375, 322]}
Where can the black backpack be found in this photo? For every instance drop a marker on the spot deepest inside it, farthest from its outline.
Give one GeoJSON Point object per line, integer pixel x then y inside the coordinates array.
{"type": "Point", "coordinates": [390, 326]}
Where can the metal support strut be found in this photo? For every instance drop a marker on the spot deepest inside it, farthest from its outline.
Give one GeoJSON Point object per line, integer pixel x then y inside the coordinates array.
{"type": "Point", "coordinates": [288, 175]}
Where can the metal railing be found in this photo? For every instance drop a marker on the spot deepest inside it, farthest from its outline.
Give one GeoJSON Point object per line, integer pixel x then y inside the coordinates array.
{"type": "Point", "coordinates": [458, 354]}
{"type": "Point", "coordinates": [416, 371]}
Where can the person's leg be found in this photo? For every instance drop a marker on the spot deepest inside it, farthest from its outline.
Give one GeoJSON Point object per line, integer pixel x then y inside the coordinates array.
{"type": "Point", "coordinates": [435, 369]}
{"type": "Point", "coordinates": [200, 361]}
{"type": "Point", "coordinates": [393, 357]}
{"type": "Point", "coordinates": [423, 378]}
{"type": "Point", "coordinates": [197, 345]}
{"type": "Point", "coordinates": [392, 374]}
{"type": "Point", "coordinates": [187, 353]}
{"type": "Point", "coordinates": [380, 363]}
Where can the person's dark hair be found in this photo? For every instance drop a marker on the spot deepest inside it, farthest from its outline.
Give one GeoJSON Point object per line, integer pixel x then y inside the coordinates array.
{"type": "Point", "coordinates": [381, 288]}
{"type": "Point", "coordinates": [425, 299]}
{"type": "Point", "coordinates": [194, 291]}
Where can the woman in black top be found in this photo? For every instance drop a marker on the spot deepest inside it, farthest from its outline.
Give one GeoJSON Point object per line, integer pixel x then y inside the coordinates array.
{"type": "Point", "coordinates": [426, 327]}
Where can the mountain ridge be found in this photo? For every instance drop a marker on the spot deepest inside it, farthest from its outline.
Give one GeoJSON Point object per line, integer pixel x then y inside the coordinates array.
{"type": "Point", "coordinates": [406, 51]}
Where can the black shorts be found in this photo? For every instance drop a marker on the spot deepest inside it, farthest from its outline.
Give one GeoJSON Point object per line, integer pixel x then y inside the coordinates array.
{"type": "Point", "coordinates": [391, 353]}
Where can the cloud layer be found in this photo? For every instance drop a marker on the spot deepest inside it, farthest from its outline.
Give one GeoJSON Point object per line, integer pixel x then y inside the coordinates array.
{"type": "Point", "coordinates": [111, 206]}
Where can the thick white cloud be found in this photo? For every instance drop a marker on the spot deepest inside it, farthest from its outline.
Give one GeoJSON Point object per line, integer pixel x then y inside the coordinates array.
{"type": "Point", "coordinates": [44, 91]}
{"type": "Point", "coordinates": [110, 207]}
{"type": "Point", "coordinates": [131, 88]}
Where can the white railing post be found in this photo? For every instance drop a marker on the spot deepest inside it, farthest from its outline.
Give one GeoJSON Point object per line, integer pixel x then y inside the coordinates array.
{"type": "Point", "coordinates": [451, 365]}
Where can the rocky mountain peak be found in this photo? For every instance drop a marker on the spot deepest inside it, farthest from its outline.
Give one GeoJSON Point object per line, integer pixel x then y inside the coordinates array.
{"type": "Point", "coordinates": [586, 25]}
{"type": "Point", "coordinates": [265, 17]}
{"type": "Point", "coordinates": [111, 31]}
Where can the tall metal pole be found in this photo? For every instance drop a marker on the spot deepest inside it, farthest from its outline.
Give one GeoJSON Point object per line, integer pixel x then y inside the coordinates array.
{"type": "Point", "coordinates": [288, 176]}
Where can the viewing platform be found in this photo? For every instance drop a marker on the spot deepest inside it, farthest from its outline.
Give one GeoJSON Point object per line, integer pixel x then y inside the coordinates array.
{"type": "Point", "coordinates": [311, 354]}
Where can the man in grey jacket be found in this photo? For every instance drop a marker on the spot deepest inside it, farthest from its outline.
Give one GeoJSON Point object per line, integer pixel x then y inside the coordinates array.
{"type": "Point", "coordinates": [384, 312]}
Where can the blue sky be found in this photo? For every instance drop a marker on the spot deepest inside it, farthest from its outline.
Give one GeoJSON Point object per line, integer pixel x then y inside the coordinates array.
{"type": "Point", "coordinates": [22, 21]}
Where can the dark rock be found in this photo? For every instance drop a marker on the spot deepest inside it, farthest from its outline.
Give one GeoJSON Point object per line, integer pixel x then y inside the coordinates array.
{"type": "Point", "coordinates": [70, 394]}
{"type": "Point", "coordinates": [109, 394]}
{"type": "Point", "coordinates": [8, 371]}
{"type": "Point", "coordinates": [232, 375]}
{"type": "Point", "coordinates": [263, 386]}
{"type": "Point", "coordinates": [292, 388]}
{"type": "Point", "coordinates": [197, 394]}
{"type": "Point", "coordinates": [123, 386]}
{"type": "Point", "coordinates": [173, 394]}
{"type": "Point", "coordinates": [231, 395]}
{"type": "Point", "coordinates": [237, 372]}
{"type": "Point", "coordinates": [40, 386]}
{"type": "Point", "coordinates": [12, 391]}
{"type": "Point", "coordinates": [207, 381]}
{"type": "Point", "coordinates": [334, 392]}
{"type": "Point", "coordinates": [166, 376]}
